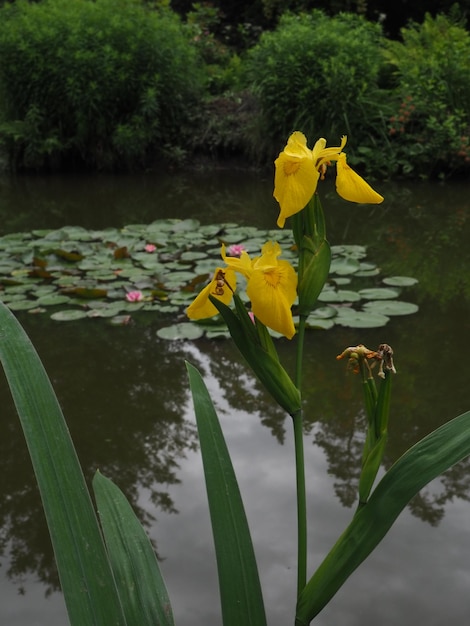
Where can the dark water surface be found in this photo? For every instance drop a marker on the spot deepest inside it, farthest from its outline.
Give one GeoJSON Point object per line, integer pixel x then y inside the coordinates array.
{"type": "Point", "coordinates": [124, 393]}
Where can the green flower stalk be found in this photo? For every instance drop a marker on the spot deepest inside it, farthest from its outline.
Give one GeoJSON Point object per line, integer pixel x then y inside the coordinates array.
{"type": "Point", "coordinates": [377, 405]}
{"type": "Point", "coordinates": [309, 231]}
{"type": "Point", "coordinates": [314, 256]}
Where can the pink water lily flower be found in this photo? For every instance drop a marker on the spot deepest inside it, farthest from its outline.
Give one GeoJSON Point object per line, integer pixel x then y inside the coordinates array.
{"type": "Point", "coordinates": [134, 296]}
{"type": "Point", "coordinates": [236, 249]}
{"type": "Point", "coordinates": [150, 247]}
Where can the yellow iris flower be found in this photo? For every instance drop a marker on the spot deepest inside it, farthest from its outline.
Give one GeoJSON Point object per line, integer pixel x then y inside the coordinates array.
{"type": "Point", "coordinates": [221, 287]}
{"type": "Point", "coordinates": [271, 287]}
{"type": "Point", "coordinates": [298, 170]}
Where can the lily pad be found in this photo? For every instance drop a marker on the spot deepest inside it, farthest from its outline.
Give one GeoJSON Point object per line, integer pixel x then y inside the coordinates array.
{"type": "Point", "coordinates": [185, 225]}
{"type": "Point", "coordinates": [52, 300]}
{"type": "Point", "coordinates": [344, 266]}
{"type": "Point", "coordinates": [320, 323]}
{"type": "Point", "coordinates": [217, 332]}
{"type": "Point", "coordinates": [120, 320]}
{"type": "Point", "coordinates": [68, 315]}
{"type": "Point", "coordinates": [8, 297]}
{"type": "Point", "coordinates": [400, 281]}
{"type": "Point", "coordinates": [352, 250]}
{"type": "Point", "coordinates": [391, 307]}
{"type": "Point", "coordinates": [324, 312]}
{"type": "Point", "coordinates": [341, 295]}
{"type": "Point", "coordinates": [360, 319]}
{"type": "Point", "coordinates": [191, 255]}
{"type": "Point", "coordinates": [367, 273]}
{"type": "Point", "coordinates": [22, 305]}
{"type": "Point", "coordinates": [379, 293]}
{"type": "Point", "coordinates": [110, 311]}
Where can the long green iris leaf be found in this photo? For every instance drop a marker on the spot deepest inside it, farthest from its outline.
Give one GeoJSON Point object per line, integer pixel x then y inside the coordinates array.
{"type": "Point", "coordinates": [84, 570]}
{"type": "Point", "coordinates": [240, 590]}
{"type": "Point", "coordinates": [141, 587]}
{"type": "Point", "coordinates": [426, 460]}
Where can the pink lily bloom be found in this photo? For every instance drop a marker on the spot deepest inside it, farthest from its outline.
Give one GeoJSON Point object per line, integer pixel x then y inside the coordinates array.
{"type": "Point", "coordinates": [236, 249]}
{"type": "Point", "coordinates": [134, 296]}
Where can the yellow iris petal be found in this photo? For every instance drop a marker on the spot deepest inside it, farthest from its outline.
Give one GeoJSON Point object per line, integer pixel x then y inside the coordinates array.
{"type": "Point", "coordinates": [297, 146]}
{"type": "Point", "coordinates": [272, 289]}
{"type": "Point", "coordinates": [272, 294]}
{"type": "Point", "coordinates": [221, 287]}
{"type": "Point", "coordinates": [351, 186]}
{"type": "Point", "coordinates": [269, 253]}
{"type": "Point", "coordinates": [240, 264]}
{"type": "Point", "coordinates": [295, 178]}
{"type": "Point", "coordinates": [321, 154]}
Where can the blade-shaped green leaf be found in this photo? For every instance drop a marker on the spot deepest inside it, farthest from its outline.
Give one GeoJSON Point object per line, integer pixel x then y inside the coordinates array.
{"type": "Point", "coordinates": [139, 581]}
{"type": "Point", "coordinates": [240, 590]}
{"type": "Point", "coordinates": [426, 460]}
{"type": "Point", "coordinates": [84, 570]}
{"type": "Point", "coordinates": [265, 365]}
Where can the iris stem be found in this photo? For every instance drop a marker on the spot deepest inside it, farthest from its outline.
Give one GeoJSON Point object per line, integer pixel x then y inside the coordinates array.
{"type": "Point", "coordinates": [300, 470]}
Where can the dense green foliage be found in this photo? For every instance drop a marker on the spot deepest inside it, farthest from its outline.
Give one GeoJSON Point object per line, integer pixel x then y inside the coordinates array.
{"type": "Point", "coordinates": [430, 127]}
{"type": "Point", "coordinates": [241, 16]}
{"type": "Point", "coordinates": [97, 83]}
{"type": "Point", "coordinates": [121, 84]}
{"type": "Point", "coordinates": [404, 105]}
{"type": "Point", "coordinates": [320, 75]}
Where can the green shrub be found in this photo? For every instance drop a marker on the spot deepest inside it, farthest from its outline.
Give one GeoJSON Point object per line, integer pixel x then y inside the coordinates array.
{"type": "Point", "coordinates": [321, 75]}
{"type": "Point", "coordinates": [430, 127]}
{"type": "Point", "coordinates": [222, 65]}
{"type": "Point", "coordinates": [103, 84]}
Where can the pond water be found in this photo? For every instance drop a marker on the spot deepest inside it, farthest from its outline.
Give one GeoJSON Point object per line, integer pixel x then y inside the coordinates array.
{"type": "Point", "coordinates": [124, 393]}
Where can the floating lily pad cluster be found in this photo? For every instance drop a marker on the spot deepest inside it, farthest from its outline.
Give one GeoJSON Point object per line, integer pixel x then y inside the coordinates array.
{"type": "Point", "coordinates": [77, 273]}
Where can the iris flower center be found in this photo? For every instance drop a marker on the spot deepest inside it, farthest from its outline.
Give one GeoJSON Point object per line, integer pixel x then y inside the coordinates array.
{"type": "Point", "coordinates": [291, 167]}
{"type": "Point", "coordinates": [272, 278]}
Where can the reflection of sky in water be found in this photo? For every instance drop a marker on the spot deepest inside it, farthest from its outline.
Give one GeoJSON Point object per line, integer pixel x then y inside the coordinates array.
{"type": "Point", "coordinates": [416, 576]}
{"type": "Point", "coordinates": [31, 609]}
{"type": "Point", "coordinates": [419, 574]}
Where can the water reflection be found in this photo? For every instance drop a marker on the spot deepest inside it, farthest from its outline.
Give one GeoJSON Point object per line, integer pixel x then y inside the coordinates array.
{"type": "Point", "coordinates": [426, 367]}
{"type": "Point", "coordinates": [122, 394]}
{"type": "Point", "coordinates": [100, 201]}
{"type": "Point", "coordinates": [422, 231]}
{"type": "Point", "coordinates": [125, 396]}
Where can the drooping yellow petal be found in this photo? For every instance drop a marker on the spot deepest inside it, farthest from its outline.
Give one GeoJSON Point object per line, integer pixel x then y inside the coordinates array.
{"type": "Point", "coordinates": [221, 287]}
{"type": "Point", "coordinates": [351, 186]}
{"type": "Point", "coordinates": [295, 178]}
